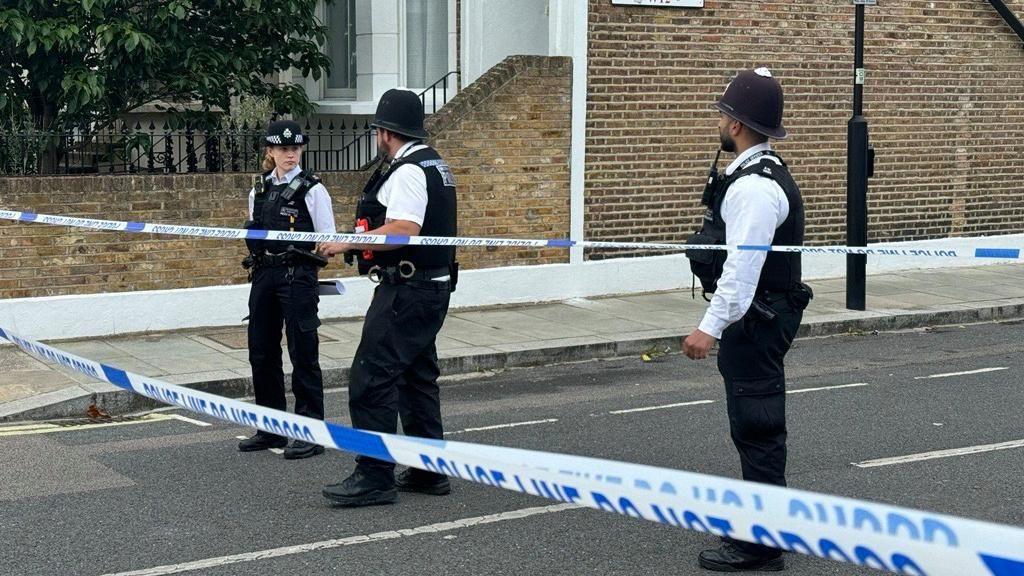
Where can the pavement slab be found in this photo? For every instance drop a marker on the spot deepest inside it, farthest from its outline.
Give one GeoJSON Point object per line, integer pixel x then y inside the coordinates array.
{"type": "Point", "coordinates": [500, 337]}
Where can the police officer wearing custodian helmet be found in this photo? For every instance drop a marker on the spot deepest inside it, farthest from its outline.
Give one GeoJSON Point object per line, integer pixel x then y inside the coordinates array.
{"type": "Point", "coordinates": [394, 372]}
{"type": "Point", "coordinates": [284, 285]}
{"type": "Point", "coordinates": [758, 299]}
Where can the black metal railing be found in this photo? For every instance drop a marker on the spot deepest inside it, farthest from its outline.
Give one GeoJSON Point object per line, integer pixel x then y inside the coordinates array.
{"type": "Point", "coordinates": [126, 149]}
{"type": "Point", "coordinates": [446, 86]}
{"type": "Point", "coordinates": [441, 85]}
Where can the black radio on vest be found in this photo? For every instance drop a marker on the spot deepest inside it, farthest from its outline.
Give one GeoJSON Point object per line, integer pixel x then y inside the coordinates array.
{"type": "Point", "coordinates": [781, 270]}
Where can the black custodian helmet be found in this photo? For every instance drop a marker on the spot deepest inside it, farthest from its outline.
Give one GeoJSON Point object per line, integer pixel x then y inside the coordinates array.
{"type": "Point", "coordinates": [285, 133]}
{"type": "Point", "coordinates": [754, 98]}
{"type": "Point", "coordinates": [401, 112]}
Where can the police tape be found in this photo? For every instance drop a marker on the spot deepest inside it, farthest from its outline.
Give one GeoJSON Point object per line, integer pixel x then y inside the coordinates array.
{"type": "Point", "coordinates": [879, 536]}
{"type": "Point", "coordinates": [1009, 253]}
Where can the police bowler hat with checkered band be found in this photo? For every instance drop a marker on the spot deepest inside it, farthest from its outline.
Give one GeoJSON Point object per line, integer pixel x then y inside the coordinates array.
{"type": "Point", "coordinates": [754, 98]}
{"type": "Point", "coordinates": [401, 112]}
{"type": "Point", "coordinates": [285, 133]}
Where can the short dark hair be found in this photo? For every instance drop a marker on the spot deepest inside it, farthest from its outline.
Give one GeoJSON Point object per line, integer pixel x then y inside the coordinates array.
{"type": "Point", "coordinates": [400, 137]}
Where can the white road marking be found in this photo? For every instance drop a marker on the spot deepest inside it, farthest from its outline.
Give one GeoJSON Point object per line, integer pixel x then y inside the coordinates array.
{"type": "Point", "coordinates": [802, 390]}
{"type": "Point", "coordinates": [242, 437]}
{"type": "Point", "coordinates": [19, 427]}
{"type": "Point", "coordinates": [699, 402]}
{"type": "Point", "coordinates": [499, 426]}
{"type": "Point", "coordinates": [30, 429]}
{"type": "Point", "coordinates": [662, 407]}
{"type": "Point", "coordinates": [349, 541]}
{"type": "Point", "coordinates": [950, 374]}
{"type": "Point", "coordinates": [940, 454]}
{"type": "Point", "coordinates": [189, 420]}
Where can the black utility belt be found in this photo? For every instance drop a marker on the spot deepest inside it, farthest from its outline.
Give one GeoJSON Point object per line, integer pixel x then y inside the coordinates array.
{"type": "Point", "coordinates": [797, 296]}
{"type": "Point", "coordinates": [279, 260]}
{"type": "Point", "coordinates": [407, 273]}
{"type": "Point", "coordinates": [292, 257]}
{"type": "Point", "coordinates": [776, 293]}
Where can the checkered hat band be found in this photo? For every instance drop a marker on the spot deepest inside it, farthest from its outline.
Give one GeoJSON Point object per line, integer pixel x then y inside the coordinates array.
{"type": "Point", "coordinates": [299, 139]}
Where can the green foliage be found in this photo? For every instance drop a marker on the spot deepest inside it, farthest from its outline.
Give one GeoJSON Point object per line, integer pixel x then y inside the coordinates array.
{"type": "Point", "coordinates": [245, 123]}
{"type": "Point", "coordinates": [251, 112]}
{"type": "Point", "coordinates": [67, 63]}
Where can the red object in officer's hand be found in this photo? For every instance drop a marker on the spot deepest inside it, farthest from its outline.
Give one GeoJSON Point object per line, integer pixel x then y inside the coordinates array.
{"type": "Point", "coordinates": [362, 227]}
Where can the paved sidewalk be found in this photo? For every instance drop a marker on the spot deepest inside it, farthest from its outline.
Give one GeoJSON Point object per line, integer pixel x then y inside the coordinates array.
{"type": "Point", "coordinates": [215, 359]}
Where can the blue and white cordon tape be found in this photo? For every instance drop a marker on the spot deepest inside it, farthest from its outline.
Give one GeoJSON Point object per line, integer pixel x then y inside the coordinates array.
{"type": "Point", "coordinates": [243, 234]}
{"type": "Point", "coordinates": [879, 536]}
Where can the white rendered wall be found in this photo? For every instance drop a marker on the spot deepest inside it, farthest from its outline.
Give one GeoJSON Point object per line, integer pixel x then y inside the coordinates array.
{"type": "Point", "coordinates": [118, 313]}
{"type": "Point", "coordinates": [380, 57]}
{"type": "Point", "coordinates": [494, 29]}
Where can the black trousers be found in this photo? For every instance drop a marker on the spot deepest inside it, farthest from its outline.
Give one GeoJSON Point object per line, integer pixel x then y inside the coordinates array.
{"type": "Point", "coordinates": [394, 372]}
{"type": "Point", "coordinates": [751, 359]}
{"type": "Point", "coordinates": [286, 295]}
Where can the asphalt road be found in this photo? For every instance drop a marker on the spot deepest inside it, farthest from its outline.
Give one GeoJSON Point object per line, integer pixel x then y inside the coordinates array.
{"type": "Point", "coordinates": [173, 494]}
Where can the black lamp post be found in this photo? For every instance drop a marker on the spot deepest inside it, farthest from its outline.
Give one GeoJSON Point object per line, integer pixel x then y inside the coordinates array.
{"type": "Point", "coordinates": [860, 165]}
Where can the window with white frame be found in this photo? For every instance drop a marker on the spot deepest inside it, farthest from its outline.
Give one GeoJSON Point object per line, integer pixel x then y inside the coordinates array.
{"type": "Point", "coordinates": [426, 42]}
{"type": "Point", "coordinates": [341, 48]}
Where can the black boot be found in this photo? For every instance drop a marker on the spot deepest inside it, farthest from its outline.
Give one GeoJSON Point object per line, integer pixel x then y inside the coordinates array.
{"type": "Point", "coordinates": [262, 441]}
{"type": "Point", "coordinates": [302, 449]}
{"type": "Point", "coordinates": [415, 480]}
{"type": "Point", "coordinates": [367, 486]}
{"type": "Point", "coordinates": [736, 557]}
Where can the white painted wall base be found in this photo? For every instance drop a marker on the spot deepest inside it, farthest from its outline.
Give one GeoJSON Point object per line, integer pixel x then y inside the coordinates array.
{"type": "Point", "coordinates": [126, 312]}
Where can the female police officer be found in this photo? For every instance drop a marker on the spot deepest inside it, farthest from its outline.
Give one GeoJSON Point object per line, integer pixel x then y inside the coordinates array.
{"type": "Point", "coordinates": [284, 285]}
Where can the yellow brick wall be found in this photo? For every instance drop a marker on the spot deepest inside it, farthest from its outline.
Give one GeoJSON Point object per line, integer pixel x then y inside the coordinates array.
{"type": "Point", "coordinates": [506, 138]}
{"type": "Point", "coordinates": [944, 98]}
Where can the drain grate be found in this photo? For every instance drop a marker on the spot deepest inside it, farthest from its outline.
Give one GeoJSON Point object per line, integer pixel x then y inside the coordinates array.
{"type": "Point", "coordinates": [239, 339]}
{"type": "Point", "coordinates": [70, 422]}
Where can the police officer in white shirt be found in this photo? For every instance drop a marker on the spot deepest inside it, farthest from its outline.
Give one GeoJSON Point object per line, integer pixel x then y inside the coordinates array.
{"type": "Point", "coordinates": [394, 372]}
{"type": "Point", "coordinates": [284, 285]}
{"type": "Point", "coordinates": [758, 297]}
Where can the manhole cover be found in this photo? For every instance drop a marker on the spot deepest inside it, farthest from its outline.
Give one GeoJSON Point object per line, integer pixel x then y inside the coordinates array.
{"type": "Point", "coordinates": [239, 339]}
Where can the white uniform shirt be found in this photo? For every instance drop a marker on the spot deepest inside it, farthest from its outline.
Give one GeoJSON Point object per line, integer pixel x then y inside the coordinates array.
{"type": "Point", "coordinates": [405, 191]}
{"type": "Point", "coordinates": [317, 201]}
{"type": "Point", "coordinates": [753, 208]}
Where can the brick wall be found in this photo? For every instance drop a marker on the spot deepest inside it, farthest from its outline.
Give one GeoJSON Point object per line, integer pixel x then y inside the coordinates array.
{"type": "Point", "coordinates": [944, 98]}
{"type": "Point", "coordinates": [506, 137]}
{"type": "Point", "coordinates": [41, 260]}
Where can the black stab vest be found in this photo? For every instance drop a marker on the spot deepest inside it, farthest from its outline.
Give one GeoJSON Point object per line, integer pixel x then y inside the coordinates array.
{"type": "Point", "coordinates": [782, 270]}
{"type": "Point", "coordinates": [283, 207]}
{"type": "Point", "coordinates": [440, 218]}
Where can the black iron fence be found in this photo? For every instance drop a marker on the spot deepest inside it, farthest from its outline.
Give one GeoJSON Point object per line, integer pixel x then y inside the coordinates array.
{"type": "Point", "coordinates": [126, 148]}
{"type": "Point", "coordinates": [138, 149]}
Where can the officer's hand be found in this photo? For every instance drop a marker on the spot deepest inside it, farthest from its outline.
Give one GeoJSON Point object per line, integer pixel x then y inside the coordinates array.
{"type": "Point", "coordinates": [331, 248]}
{"type": "Point", "coordinates": [697, 345]}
